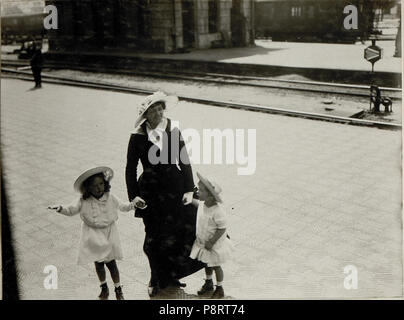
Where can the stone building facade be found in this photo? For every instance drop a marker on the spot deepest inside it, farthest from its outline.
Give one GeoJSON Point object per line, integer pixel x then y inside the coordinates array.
{"type": "Point", "coordinates": [152, 25]}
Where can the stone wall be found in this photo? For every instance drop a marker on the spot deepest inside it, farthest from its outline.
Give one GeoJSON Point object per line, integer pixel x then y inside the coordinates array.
{"type": "Point", "coordinates": [162, 24]}
{"type": "Point", "coordinates": [223, 37]}
{"type": "Point", "coordinates": [91, 24]}
{"type": "Point", "coordinates": [177, 32]}
{"type": "Point", "coordinates": [248, 13]}
{"type": "Point", "coordinates": [204, 38]}
{"type": "Point", "coordinates": [143, 25]}
{"type": "Point", "coordinates": [225, 21]}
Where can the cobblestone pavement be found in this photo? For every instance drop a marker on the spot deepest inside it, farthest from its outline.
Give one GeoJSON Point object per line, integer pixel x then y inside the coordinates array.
{"type": "Point", "coordinates": [323, 196]}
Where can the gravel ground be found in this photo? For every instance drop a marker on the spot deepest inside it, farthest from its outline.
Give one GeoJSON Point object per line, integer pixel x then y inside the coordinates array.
{"type": "Point", "coordinates": [286, 99]}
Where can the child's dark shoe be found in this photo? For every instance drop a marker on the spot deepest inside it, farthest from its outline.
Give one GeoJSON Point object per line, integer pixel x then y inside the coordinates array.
{"type": "Point", "coordinates": [104, 292]}
{"type": "Point", "coordinates": [119, 293]}
{"type": "Point", "coordinates": [206, 288]}
{"type": "Point", "coordinates": [218, 294]}
{"type": "Point", "coordinates": [152, 289]}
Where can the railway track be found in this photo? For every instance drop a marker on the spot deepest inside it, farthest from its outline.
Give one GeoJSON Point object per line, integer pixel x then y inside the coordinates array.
{"type": "Point", "coordinates": [26, 75]}
{"type": "Point", "coordinates": [323, 88]}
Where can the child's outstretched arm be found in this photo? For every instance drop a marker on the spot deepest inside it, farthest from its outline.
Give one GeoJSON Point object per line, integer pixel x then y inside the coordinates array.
{"type": "Point", "coordinates": [70, 210]}
{"type": "Point", "coordinates": [216, 236]}
{"type": "Point", "coordinates": [124, 206]}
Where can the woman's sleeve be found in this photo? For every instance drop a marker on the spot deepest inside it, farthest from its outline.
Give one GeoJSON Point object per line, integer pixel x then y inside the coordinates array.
{"type": "Point", "coordinates": [220, 218]}
{"type": "Point", "coordinates": [185, 165]}
{"type": "Point", "coordinates": [72, 209]}
{"type": "Point", "coordinates": [131, 169]}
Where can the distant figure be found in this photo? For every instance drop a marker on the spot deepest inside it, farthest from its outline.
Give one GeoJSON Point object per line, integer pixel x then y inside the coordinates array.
{"type": "Point", "coordinates": [36, 65]}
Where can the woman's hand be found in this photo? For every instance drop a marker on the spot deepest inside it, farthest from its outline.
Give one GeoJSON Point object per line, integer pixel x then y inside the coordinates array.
{"type": "Point", "coordinates": [57, 208]}
{"type": "Point", "coordinates": [187, 198]}
{"type": "Point", "coordinates": [139, 203]}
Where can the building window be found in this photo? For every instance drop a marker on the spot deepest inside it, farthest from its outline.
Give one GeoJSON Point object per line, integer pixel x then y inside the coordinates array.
{"type": "Point", "coordinates": [213, 16]}
{"type": "Point", "coordinates": [296, 11]}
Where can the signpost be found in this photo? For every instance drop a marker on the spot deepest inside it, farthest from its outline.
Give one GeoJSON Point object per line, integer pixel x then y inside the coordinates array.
{"type": "Point", "coordinates": [373, 53]}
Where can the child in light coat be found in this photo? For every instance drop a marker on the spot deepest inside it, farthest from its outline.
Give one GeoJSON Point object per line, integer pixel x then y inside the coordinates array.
{"type": "Point", "coordinates": [212, 245]}
{"type": "Point", "coordinates": [99, 241]}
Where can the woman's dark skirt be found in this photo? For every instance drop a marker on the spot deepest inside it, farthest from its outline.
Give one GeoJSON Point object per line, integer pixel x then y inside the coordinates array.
{"type": "Point", "coordinates": [169, 225]}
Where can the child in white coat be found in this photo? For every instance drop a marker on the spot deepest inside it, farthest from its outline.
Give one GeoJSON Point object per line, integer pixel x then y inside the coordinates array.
{"type": "Point", "coordinates": [212, 245]}
{"type": "Point", "coordinates": [99, 241]}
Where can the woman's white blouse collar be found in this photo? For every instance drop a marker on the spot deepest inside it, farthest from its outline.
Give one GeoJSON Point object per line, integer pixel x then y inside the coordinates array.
{"type": "Point", "coordinates": [156, 135]}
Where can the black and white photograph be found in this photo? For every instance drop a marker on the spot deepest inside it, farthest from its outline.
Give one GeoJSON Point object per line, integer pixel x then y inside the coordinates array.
{"type": "Point", "coordinates": [206, 150]}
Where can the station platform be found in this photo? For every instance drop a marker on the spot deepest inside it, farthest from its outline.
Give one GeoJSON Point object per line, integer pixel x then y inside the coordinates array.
{"type": "Point", "coordinates": [340, 63]}
{"type": "Point", "coordinates": [324, 196]}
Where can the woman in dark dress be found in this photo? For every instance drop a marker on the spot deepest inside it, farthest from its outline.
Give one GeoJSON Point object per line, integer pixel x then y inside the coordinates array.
{"type": "Point", "coordinates": [162, 194]}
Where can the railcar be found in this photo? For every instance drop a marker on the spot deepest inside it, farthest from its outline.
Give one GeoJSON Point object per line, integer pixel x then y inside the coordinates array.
{"type": "Point", "coordinates": [22, 27]}
{"type": "Point", "coordinates": [314, 20]}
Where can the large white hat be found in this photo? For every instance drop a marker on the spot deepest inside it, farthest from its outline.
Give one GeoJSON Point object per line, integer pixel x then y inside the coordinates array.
{"type": "Point", "coordinates": [213, 187]}
{"type": "Point", "coordinates": [158, 96]}
{"type": "Point", "coordinates": [107, 171]}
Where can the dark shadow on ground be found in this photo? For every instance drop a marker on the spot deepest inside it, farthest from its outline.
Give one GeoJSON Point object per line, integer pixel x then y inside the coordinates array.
{"type": "Point", "coordinates": [180, 294]}
{"type": "Point", "coordinates": [9, 269]}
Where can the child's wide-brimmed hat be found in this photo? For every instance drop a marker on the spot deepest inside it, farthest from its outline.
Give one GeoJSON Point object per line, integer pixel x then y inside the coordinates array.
{"type": "Point", "coordinates": [213, 187]}
{"type": "Point", "coordinates": [107, 171]}
{"type": "Point", "coordinates": [159, 96]}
